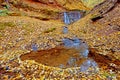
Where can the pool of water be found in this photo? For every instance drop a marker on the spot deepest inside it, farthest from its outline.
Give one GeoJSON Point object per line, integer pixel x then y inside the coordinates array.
{"type": "Point", "coordinates": [63, 57]}
{"type": "Point", "coordinates": [56, 57]}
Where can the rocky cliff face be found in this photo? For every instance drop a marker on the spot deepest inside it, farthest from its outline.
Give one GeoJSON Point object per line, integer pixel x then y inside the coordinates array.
{"type": "Point", "coordinates": [100, 28]}
{"type": "Point", "coordinates": [72, 3]}
{"type": "Point", "coordinates": [51, 8]}
{"type": "Point", "coordinates": [60, 4]}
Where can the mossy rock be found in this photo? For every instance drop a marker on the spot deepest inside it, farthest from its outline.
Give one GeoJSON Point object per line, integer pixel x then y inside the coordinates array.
{"type": "Point", "coordinates": [4, 12]}
{"type": "Point", "coordinates": [95, 17]}
{"type": "Point", "coordinates": [91, 3]}
{"type": "Point", "coordinates": [3, 25]}
{"type": "Point", "coordinates": [50, 30]}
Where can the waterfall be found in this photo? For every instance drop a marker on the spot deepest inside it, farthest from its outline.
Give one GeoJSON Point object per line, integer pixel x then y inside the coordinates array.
{"type": "Point", "coordinates": [66, 18]}
{"type": "Point", "coordinates": [70, 17]}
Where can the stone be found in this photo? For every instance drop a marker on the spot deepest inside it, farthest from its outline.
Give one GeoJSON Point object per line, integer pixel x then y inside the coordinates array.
{"type": "Point", "coordinates": [65, 30]}
{"type": "Point", "coordinates": [34, 47]}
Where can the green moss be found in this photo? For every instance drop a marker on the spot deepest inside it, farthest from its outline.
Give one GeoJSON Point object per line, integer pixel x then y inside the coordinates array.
{"type": "Point", "coordinates": [3, 12]}
{"type": "Point", "coordinates": [106, 74]}
{"type": "Point", "coordinates": [50, 30]}
{"type": "Point", "coordinates": [112, 75]}
{"type": "Point", "coordinates": [1, 34]}
{"type": "Point", "coordinates": [91, 3]}
{"type": "Point", "coordinates": [27, 28]}
{"type": "Point", "coordinates": [15, 1]}
{"type": "Point", "coordinates": [95, 16]}
{"type": "Point", "coordinates": [3, 25]}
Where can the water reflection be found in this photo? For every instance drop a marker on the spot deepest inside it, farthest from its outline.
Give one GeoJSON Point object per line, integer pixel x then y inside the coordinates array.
{"type": "Point", "coordinates": [88, 64]}
{"type": "Point", "coordinates": [72, 62]}
{"type": "Point", "coordinates": [61, 57]}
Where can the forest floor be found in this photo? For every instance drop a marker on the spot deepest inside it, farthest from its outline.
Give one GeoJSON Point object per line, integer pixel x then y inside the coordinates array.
{"type": "Point", "coordinates": [20, 27]}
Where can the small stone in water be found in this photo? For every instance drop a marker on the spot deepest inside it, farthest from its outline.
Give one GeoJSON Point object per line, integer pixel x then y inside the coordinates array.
{"type": "Point", "coordinates": [71, 61]}
{"type": "Point", "coordinates": [65, 30]}
{"type": "Point", "coordinates": [61, 66]}
{"type": "Point", "coordinates": [34, 47]}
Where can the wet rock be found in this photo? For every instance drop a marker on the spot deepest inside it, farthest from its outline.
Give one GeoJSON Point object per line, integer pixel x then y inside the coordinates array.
{"type": "Point", "coordinates": [34, 47]}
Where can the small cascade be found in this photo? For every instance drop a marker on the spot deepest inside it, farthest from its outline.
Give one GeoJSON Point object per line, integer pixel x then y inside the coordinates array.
{"type": "Point", "coordinates": [70, 17]}
{"type": "Point", "coordinates": [78, 44]}
{"type": "Point", "coordinates": [66, 18]}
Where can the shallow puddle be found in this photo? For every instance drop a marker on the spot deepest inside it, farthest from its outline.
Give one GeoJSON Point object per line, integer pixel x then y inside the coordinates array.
{"type": "Point", "coordinates": [65, 58]}
{"type": "Point", "coordinates": [57, 57]}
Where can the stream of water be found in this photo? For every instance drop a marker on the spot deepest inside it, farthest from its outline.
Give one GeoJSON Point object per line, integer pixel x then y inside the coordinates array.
{"type": "Point", "coordinates": [73, 53]}
{"type": "Point", "coordinates": [78, 44]}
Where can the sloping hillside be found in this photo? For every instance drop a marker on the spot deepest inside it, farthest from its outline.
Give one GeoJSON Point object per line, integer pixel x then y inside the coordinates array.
{"type": "Point", "coordinates": [101, 30]}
